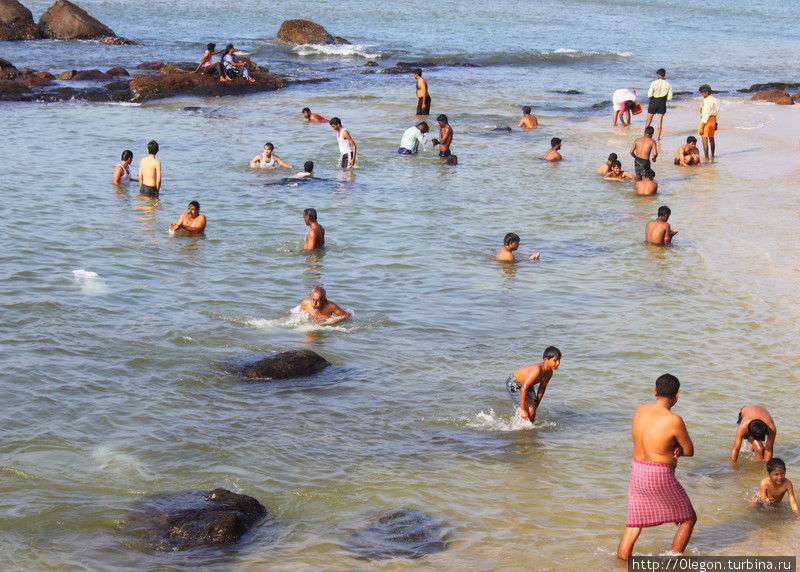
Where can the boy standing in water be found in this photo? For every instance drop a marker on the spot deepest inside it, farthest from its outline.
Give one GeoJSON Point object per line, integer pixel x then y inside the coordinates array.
{"type": "Point", "coordinates": [423, 97]}
{"type": "Point", "coordinates": [521, 383]}
{"type": "Point", "coordinates": [775, 485]}
{"type": "Point", "coordinates": [553, 154]}
{"type": "Point", "coordinates": [150, 172]}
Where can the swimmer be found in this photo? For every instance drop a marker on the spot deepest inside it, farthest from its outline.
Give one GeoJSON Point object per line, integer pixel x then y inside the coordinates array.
{"type": "Point", "coordinates": [643, 149]}
{"type": "Point", "coordinates": [521, 383]}
{"type": "Point", "coordinates": [658, 231]}
{"type": "Point", "coordinates": [267, 159]}
{"type": "Point", "coordinates": [191, 221]}
{"type": "Point", "coordinates": [445, 136]}
{"type": "Point", "coordinates": [423, 97]}
{"type": "Point", "coordinates": [347, 147]}
{"type": "Point", "coordinates": [775, 485]}
{"type": "Point", "coordinates": [413, 137]}
{"type": "Point", "coordinates": [617, 174]}
{"type": "Point", "coordinates": [316, 233]}
{"type": "Point", "coordinates": [307, 172]}
{"type": "Point", "coordinates": [510, 244]}
{"type": "Point", "coordinates": [646, 187]}
{"type": "Point", "coordinates": [122, 172]}
{"type": "Point", "coordinates": [553, 154]}
{"type": "Point", "coordinates": [528, 121]}
{"type": "Point", "coordinates": [312, 117]}
{"type": "Point", "coordinates": [688, 154]}
{"type": "Point", "coordinates": [755, 424]}
{"type": "Point", "coordinates": [606, 167]}
{"type": "Point", "coordinates": [318, 308]}
{"type": "Point", "coordinates": [150, 172]}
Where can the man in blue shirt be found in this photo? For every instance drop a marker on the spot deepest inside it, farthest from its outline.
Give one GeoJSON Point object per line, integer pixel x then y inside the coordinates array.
{"type": "Point", "coordinates": [412, 138]}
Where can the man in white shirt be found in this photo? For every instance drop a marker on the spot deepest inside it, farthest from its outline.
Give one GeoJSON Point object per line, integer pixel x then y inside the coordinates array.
{"type": "Point", "coordinates": [709, 119]}
{"type": "Point", "coordinates": [412, 138]}
{"type": "Point", "coordinates": [660, 91]}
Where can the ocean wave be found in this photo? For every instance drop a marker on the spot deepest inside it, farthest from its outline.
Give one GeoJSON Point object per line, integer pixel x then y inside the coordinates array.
{"type": "Point", "coordinates": [527, 57]}
{"type": "Point", "coordinates": [340, 50]}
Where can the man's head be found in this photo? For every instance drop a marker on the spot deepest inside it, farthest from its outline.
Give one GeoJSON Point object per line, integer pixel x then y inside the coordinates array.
{"type": "Point", "coordinates": [705, 90]}
{"type": "Point", "coordinates": [612, 157]}
{"type": "Point", "coordinates": [441, 120]}
{"type": "Point", "coordinates": [555, 143]}
{"type": "Point", "coordinates": [306, 112]}
{"type": "Point", "coordinates": [417, 72]}
{"type": "Point", "coordinates": [668, 386]}
{"type": "Point", "coordinates": [152, 147]}
{"type": "Point", "coordinates": [269, 147]}
{"type": "Point", "coordinates": [318, 298]}
{"type": "Point", "coordinates": [691, 140]}
{"type": "Point", "coordinates": [336, 123]}
{"type": "Point", "coordinates": [310, 215]}
{"type": "Point", "coordinates": [776, 469]}
{"type": "Point", "coordinates": [661, 73]}
{"type": "Point", "coordinates": [552, 357]}
{"type": "Point", "coordinates": [649, 130]}
{"type": "Point", "coordinates": [757, 429]}
{"type": "Point", "coordinates": [194, 208]}
{"type": "Point", "coordinates": [308, 166]}
{"type": "Point", "coordinates": [526, 110]}
{"type": "Point", "coordinates": [211, 47]}
{"type": "Point", "coordinates": [127, 155]}
{"type": "Point", "coordinates": [664, 212]}
{"type": "Point", "coordinates": [423, 126]}
{"type": "Point", "coordinates": [616, 167]}
{"type": "Point", "coordinates": [228, 48]}
{"type": "Point", "coordinates": [511, 240]}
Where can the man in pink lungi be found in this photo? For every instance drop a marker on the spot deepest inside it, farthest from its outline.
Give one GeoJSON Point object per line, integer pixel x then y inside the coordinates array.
{"type": "Point", "coordinates": [655, 496]}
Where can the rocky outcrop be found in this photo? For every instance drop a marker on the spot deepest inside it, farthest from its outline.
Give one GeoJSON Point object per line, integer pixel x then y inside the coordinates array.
{"type": "Point", "coordinates": [174, 81]}
{"type": "Point", "coordinates": [183, 520]}
{"type": "Point", "coordinates": [67, 21]}
{"type": "Point", "coordinates": [295, 32]}
{"type": "Point", "coordinates": [154, 66]}
{"type": "Point", "coordinates": [287, 364]}
{"type": "Point", "coordinates": [16, 22]}
{"type": "Point", "coordinates": [6, 65]}
{"type": "Point", "coordinates": [118, 72]}
{"type": "Point", "coordinates": [771, 85]}
{"type": "Point", "coordinates": [398, 533]}
{"type": "Point", "coordinates": [777, 96]}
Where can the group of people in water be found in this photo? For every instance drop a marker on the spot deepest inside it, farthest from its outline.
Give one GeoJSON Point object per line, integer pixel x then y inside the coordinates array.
{"type": "Point", "coordinates": [660, 437]}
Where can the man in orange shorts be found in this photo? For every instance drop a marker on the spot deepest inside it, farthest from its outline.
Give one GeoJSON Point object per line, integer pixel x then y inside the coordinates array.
{"type": "Point", "coordinates": [709, 119]}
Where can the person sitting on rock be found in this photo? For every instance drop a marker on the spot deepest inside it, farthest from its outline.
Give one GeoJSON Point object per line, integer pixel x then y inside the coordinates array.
{"type": "Point", "coordinates": [233, 67]}
{"type": "Point", "coordinates": [207, 67]}
{"type": "Point", "coordinates": [319, 309]}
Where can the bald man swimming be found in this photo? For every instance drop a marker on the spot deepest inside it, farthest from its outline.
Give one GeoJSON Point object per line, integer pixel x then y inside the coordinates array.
{"type": "Point", "coordinates": [319, 309]}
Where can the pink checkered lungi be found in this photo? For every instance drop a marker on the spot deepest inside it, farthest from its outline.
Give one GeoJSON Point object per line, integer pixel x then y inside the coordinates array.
{"type": "Point", "coordinates": [655, 496]}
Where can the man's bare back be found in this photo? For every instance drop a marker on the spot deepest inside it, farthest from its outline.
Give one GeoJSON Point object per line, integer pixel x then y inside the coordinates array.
{"type": "Point", "coordinates": [659, 232]}
{"type": "Point", "coordinates": [645, 146]}
{"type": "Point", "coordinates": [659, 436]}
{"type": "Point", "coordinates": [315, 238]}
{"type": "Point", "coordinates": [528, 122]}
{"type": "Point", "coordinates": [150, 172]}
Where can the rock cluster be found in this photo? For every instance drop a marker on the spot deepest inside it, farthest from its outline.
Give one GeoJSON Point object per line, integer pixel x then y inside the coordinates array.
{"type": "Point", "coordinates": [296, 32]}
{"type": "Point", "coordinates": [62, 21]}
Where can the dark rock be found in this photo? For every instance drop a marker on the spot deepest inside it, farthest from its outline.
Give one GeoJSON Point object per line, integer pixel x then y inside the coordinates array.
{"type": "Point", "coordinates": [398, 533]}
{"type": "Point", "coordinates": [568, 91]}
{"type": "Point", "coordinates": [6, 65]}
{"type": "Point", "coordinates": [777, 96]}
{"type": "Point", "coordinates": [37, 79]}
{"type": "Point", "coordinates": [396, 70]}
{"type": "Point", "coordinates": [372, 64]}
{"type": "Point", "coordinates": [367, 72]}
{"type": "Point", "coordinates": [10, 75]}
{"type": "Point", "coordinates": [118, 72]}
{"type": "Point", "coordinates": [452, 160]}
{"type": "Point", "coordinates": [91, 75]}
{"type": "Point", "coordinates": [501, 130]}
{"type": "Point", "coordinates": [16, 22]}
{"type": "Point", "coordinates": [93, 94]}
{"type": "Point", "coordinates": [10, 88]}
{"type": "Point", "coordinates": [67, 75]}
{"type": "Point", "coordinates": [67, 21]}
{"type": "Point", "coordinates": [155, 66]}
{"type": "Point", "coordinates": [287, 364]}
{"type": "Point", "coordinates": [772, 85]}
{"type": "Point", "coordinates": [413, 65]}
{"type": "Point", "coordinates": [179, 82]}
{"type": "Point", "coordinates": [118, 85]}
{"type": "Point", "coordinates": [181, 66]}
{"type": "Point", "coordinates": [183, 520]}
{"type": "Point", "coordinates": [117, 41]}
{"type": "Point", "coordinates": [296, 32]}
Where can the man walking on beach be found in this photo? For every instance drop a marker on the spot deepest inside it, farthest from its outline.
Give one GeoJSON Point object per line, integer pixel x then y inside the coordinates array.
{"type": "Point", "coordinates": [709, 120]}
{"type": "Point", "coordinates": [641, 151]}
{"type": "Point", "coordinates": [660, 91]}
{"type": "Point", "coordinates": [655, 496]}
{"type": "Point", "coordinates": [423, 97]}
{"type": "Point", "coordinates": [150, 172]}
{"type": "Point", "coordinates": [347, 147]}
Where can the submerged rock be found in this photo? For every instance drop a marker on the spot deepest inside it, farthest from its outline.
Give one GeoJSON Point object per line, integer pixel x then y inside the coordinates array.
{"type": "Point", "coordinates": [67, 21]}
{"type": "Point", "coordinates": [16, 22]}
{"type": "Point", "coordinates": [398, 533]}
{"type": "Point", "coordinates": [91, 75]}
{"type": "Point", "coordinates": [295, 32]}
{"type": "Point", "coordinates": [777, 96]}
{"type": "Point", "coordinates": [183, 520]}
{"type": "Point", "coordinates": [287, 364]}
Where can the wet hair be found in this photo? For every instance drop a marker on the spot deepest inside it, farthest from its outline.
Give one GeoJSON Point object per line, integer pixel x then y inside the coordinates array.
{"type": "Point", "coordinates": [612, 157]}
{"type": "Point", "coordinates": [555, 141]}
{"type": "Point", "coordinates": [335, 121]}
{"type": "Point", "coordinates": [526, 109]}
{"type": "Point", "coordinates": [705, 88]}
{"type": "Point", "coordinates": [509, 238]}
{"type": "Point", "coordinates": [152, 147]}
{"type": "Point", "coordinates": [311, 214]}
{"type": "Point", "coordinates": [667, 385]}
{"type": "Point", "coordinates": [127, 154]}
{"type": "Point", "coordinates": [423, 124]}
{"type": "Point", "coordinates": [662, 72]}
{"type": "Point", "coordinates": [228, 48]}
{"type": "Point", "coordinates": [442, 117]}
{"type": "Point", "coordinates": [551, 352]}
{"type": "Point", "coordinates": [305, 109]}
{"type": "Point", "coordinates": [417, 71]}
{"type": "Point", "coordinates": [270, 145]}
{"type": "Point", "coordinates": [664, 211]}
{"type": "Point", "coordinates": [194, 204]}
{"type": "Point", "coordinates": [775, 463]}
{"type": "Point", "coordinates": [210, 47]}
{"type": "Point", "coordinates": [757, 429]}
{"type": "Point", "coordinates": [616, 164]}
{"type": "Point", "coordinates": [308, 166]}
{"type": "Point", "coordinates": [691, 139]}
{"type": "Point", "coordinates": [649, 130]}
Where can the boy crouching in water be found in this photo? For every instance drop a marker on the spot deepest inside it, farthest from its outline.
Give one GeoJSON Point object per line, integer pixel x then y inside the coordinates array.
{"type": "Point", "coordinates": [775, 485]}
{"type": "Point", "coordinates": [521, 383]}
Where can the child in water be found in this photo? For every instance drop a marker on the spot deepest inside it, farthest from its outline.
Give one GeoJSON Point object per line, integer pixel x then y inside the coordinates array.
{"type": "Point", "coordinates": [775, 485]}
{"type": "Point", "coordinates": [521, 383]}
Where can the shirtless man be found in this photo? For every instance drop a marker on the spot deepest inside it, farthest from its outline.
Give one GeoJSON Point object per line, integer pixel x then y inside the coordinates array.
{"type": "Point", "coordinates": [755, 425]}
{"type": "Point", "coordinates": [521, 383]}
{"type": "Point", "coordinates": [641, 151]}
{"type": "Point", "coordinates": [606, 167]}
{"type": "Point", "coordinates": [320, 309]}
{"type": "Point", "coordinates": [510, 244]}
{"type": "Point", "coordinates": [191, 221]}
{"type": "Point", "coordinates": [347, 147]}
{"type": "Point", "coordinates": [312, 117]}
{"type": "Point", "coordinates": [423, 97]}
{"type": "Point", "coordinates": [659, 231]}
{"type": "Point", "coordinates": [307, 172]}
{"type": "Point", "coordinates": [445, 136]}
{"type": "Point", "coordinates": [528, 121]}
{"type": "Point", "coordinates": [655, 496]}
{"type": "Point", "coordinates": [316, 233]}
{"type": "Point", "coordinates": [553, 154]}
{"type": "Point", "coordinates": [688, 154]}
{"type": "Point", "coordinates": [150, 172]}
{"type": "Point", "coordinates": [617, 174]}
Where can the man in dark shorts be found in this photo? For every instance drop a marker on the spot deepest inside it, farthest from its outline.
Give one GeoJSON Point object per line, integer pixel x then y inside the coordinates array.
{"type": "Point", "coordinates": [150, 172]}
{"type": "Point", "coordinates": [660, 91]}
{"type": "Point", "coordinates": [445, 136]}
{"type": "Point", "coordinates": [423, 97]}
{"type": "Point", "coordinates": [641, 151]}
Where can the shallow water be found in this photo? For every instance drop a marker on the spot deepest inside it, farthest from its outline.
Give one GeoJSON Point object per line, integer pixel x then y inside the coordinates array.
{"type": "Point", "coordinates": [115, 386]}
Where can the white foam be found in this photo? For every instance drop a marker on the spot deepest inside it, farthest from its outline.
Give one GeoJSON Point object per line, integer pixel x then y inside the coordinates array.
{"type": "Point", "coordinates": [591, 53]}
{"type": "Point", "coordinates": [109, 459]}
{"type": "Point", "coordinates": [299, 322]}
{"type": "Point", "coordinates": [492, 422]}
{"type": "Point", "coordinates": [90, 282]}
{"type": "Point", "coordinates": [341, 50]}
